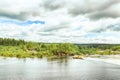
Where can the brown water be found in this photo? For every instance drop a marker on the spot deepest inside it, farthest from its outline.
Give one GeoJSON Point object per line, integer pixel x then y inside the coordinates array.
{"type": "Point", "coordinates": [63, 69]}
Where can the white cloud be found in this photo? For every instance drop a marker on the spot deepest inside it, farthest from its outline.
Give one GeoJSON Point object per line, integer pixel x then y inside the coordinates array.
{"type": "Point", "coordinates": [66, 20]}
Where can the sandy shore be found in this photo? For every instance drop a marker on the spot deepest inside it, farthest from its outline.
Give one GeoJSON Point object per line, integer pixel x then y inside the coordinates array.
{"type": "Point", "coordinates": [113, 59]}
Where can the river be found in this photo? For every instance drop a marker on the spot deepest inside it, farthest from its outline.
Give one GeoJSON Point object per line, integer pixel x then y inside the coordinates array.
{"type": "Point", "coordinates": [62, 69]}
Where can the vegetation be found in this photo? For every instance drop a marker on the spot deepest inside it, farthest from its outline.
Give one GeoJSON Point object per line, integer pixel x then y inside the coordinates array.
{"type": "Point", "coordinates": [23, 49]}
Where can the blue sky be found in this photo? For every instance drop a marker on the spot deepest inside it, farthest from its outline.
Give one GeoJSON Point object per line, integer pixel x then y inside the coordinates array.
{"type": "Point", "coordinates": [75, 21]}
{"type": "Point", "coordinates": [21, 23]}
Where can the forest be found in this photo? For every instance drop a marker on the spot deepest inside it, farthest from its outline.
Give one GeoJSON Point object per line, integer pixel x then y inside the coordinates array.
{"type": "Point", "coordinates": [24, 49]}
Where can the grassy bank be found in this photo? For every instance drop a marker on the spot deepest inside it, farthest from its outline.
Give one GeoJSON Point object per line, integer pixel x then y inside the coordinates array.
{"type": "Point", "coordinates": [22, 49]}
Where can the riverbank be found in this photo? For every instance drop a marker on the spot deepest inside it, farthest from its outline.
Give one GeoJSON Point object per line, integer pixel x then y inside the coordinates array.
{"type": "Point", "coordinates": [113, 59]}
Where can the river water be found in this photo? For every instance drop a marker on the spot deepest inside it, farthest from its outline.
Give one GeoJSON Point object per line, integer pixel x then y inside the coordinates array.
{"type": "Point", "coordinates": [62, 69]}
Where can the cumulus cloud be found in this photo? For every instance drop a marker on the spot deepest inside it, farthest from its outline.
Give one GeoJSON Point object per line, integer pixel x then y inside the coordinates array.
{"type": "Point", "coordinates": [76, 21]}
{"type": "Point", "coordinates": [110, 12]}
{"type": "Point", "coordinates": [105, 25]}
{"type": "Point", "coordinates": [20, 10]}
{"type": "Point", "coordinates": [94, 9]}
{"type": "Point", "coordinates": [52, 4]}
{"type": "Point", "coordinates": [91, 6]}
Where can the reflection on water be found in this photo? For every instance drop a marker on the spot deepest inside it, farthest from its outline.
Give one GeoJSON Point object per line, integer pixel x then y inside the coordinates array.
{"type": "Point", "coordinates": [61, 69]}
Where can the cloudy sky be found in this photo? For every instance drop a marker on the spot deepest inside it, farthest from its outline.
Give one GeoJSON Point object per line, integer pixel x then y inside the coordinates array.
{"type": "Point", "coordinates": [76, 21]}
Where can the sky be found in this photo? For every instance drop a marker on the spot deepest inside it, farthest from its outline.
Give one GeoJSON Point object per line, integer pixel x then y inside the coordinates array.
{"type": "Point", "coordinates": [71, 21]}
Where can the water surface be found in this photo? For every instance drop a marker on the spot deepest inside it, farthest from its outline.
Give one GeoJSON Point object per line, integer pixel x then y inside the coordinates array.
{"type": "Point", "coordinates": [62, 69]}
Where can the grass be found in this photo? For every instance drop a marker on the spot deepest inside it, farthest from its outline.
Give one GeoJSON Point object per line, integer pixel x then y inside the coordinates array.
{"type": "Point", "coordinates": [16, 51]}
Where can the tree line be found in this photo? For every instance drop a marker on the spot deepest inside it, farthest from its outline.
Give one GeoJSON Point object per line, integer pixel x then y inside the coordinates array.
{"type": "Point", "coordinates": [23, 49]}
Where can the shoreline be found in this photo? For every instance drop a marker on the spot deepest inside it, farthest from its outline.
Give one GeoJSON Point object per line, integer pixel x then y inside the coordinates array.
{"type": "Point", "coordinates": [112, 59]}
